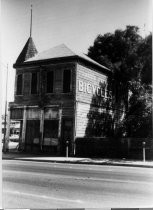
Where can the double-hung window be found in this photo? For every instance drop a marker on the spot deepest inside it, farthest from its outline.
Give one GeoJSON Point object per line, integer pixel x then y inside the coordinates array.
{"type": "Point", "coordinates": [19, 84]}
{"type": "Point", "coordinates": [50, 81]}
{"type": "Point", "coordinates": [66, 81]}
{"type": "Point", "coordinates": [34, 83]}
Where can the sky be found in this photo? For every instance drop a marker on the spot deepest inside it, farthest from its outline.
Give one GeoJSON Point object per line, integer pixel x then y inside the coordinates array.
{"type": "Point", "coordinates": [75, 23]}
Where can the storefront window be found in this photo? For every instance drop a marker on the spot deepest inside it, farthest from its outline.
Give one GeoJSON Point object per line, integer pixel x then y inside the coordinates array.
{"type": "Point", "coordinates": [16, 113]}
{"type": "Point", "coordinates": [51, 129]}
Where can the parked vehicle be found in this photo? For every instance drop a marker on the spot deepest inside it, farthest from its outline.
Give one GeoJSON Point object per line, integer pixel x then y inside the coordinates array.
{"type": "Point", "coordinates": [13, 145]}
{"type": "Point", "coordinates": [13, 142]}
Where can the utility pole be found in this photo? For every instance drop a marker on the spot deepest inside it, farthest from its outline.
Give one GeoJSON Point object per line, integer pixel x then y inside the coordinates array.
{"type": "Point", "coordinates": [4, 142]}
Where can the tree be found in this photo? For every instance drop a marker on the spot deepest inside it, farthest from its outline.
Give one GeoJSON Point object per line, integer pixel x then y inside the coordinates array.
{"type": "Point", "coordinates": [138, 120]}
{"type": "Point", "coordinates": [145, 55]}
{"type": "Point", "coordinates": [128, 55]}
{"type": "Point", "coordinates": [118, 52]}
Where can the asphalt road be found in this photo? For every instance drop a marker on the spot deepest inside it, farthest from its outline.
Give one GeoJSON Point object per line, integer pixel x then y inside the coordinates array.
{"type": "Point", "coordinates": [28, 184]}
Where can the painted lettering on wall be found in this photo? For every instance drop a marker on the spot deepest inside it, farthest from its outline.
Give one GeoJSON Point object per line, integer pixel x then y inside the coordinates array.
{"type": "Point", "coordinates": [89, 88]}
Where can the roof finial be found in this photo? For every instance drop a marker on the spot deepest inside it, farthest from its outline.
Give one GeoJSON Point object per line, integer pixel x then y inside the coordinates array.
{"type": "Point", "coordinates": [31, 22]}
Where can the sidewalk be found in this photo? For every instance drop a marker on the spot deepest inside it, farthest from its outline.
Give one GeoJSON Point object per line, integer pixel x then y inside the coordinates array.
{"type": "Point", "coordinates": [75, 160]}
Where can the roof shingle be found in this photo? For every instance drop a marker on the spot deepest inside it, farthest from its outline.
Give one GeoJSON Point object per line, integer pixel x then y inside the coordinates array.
{"type": "Point", "coordinates": [28, 51]}
{"type": "Point", "coordinates": [61, 51]}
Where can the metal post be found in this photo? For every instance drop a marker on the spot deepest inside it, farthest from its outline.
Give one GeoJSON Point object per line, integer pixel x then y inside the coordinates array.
{"type": "Point", "coordinates": [144, 151]}
{"type": "Point", "coordinates": [22, 144]}
{"type": "Point", "coordinates": [67, 149]}
{"type": "Point", "coordinates": [59, 131]}
{"type": "Point", "coordinates": [4, 142]}
{"type": "Point", "coordinates": [7, 130]}
{"type": "Point", "coordinates": [41, 129]}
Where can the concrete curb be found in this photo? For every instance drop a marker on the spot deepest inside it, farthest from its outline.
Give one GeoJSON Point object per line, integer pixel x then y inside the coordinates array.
{"type": "Point", "coordinates": [83, 163]}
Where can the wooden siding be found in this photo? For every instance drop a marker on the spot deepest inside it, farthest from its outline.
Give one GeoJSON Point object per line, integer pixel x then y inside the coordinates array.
{"type": "Point", "coordinates": [85, 97]}
{"type": "Point", "coordinates": [57, 97]}
{"type": "Point", "coordinates": [84, 119]}
{"type": "Point", "coordinates": [68, 111]}
{"type": "Point", "coordinates": [91, 77]}
{"type": "Point", "coordinates": [82, 110]}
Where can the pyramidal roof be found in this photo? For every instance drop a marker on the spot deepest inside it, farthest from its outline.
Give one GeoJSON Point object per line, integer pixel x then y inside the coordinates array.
{"type": "Point", "coordinates": [28, 51]}
{"type": "Point", "coordinates": [61, 51]}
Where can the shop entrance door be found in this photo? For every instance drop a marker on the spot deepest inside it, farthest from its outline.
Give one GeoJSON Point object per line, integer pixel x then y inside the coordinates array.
{"type": "Point", "coordinates": [51, 136]}
{"type": "Point", "coordinates": [67, 135]}
{"type": "Point", "coordinates": [32, 135]}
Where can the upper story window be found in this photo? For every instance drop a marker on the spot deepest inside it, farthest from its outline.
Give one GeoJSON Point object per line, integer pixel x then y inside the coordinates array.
{"type": "Point", "coordinates": [50, 81]}
{"type": "Point", "coordinates": [34, 82]}
{"type": "Point", "coordinates": [19, 84]}
{"type": "Point", "coordinates": [66, 81]}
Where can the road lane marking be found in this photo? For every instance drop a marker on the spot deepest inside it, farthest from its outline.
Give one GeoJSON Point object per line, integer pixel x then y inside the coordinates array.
{"type": "Point", "coordinates": [43, 196]}
{"type": "Point", "coordinates": [62, 176]}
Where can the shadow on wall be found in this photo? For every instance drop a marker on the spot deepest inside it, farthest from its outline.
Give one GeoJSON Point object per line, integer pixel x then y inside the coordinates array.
{"type": "Point", "coordinates": [100, 116]}
{"type": "Point", "coordinates": [98, 139]}
{"type": "Point", "coordinates": [104, 136]}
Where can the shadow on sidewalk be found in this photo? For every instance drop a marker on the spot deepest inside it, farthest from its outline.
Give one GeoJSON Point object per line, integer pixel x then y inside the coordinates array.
{"type": "Point", "coordinates": [14, 153]}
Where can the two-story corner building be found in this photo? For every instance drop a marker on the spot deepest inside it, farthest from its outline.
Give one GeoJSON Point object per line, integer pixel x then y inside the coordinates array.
{"type": "Point", "coordinates": [54, 91]}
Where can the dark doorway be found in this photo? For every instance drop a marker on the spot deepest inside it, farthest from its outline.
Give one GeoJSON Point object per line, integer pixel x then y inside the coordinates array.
{"type": "Point", "coordinates": [67, 135]}
{"type": "Point", "coordinates": [50, 136]}
{"type": "Point", "coordinates": [32, 134]}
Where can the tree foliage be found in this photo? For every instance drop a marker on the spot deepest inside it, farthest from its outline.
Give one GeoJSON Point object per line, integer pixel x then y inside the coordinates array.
{"type": "Point", "coordinates": [145, 56]}
{"type": "Point", "coordinates": [138, 121]}
{"type": "Point", "coordinates": [128, 55]}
